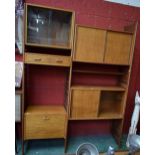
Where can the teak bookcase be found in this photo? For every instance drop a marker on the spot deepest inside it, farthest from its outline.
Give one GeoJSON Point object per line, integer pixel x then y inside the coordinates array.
{"type": "Point", "coordinates": [93, 69]}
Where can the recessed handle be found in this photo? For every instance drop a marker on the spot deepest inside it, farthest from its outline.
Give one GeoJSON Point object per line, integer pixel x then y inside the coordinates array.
{"type": "Point", "coordinates": [59, 61]}
{"type": "Point", "coordinates": [37, 59]}
{"type": "Point", "coordinates": [45, 118]}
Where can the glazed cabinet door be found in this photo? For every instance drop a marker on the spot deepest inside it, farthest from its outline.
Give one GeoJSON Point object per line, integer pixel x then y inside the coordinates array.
{"type": "Point", "coordinates": [84, 103]}
{"type": "Point", "coordinates": [47, 27]}
{"type": "Point", "coordinates": [89, 44]}
{"type": "Point", "coordinates": [118, 47]}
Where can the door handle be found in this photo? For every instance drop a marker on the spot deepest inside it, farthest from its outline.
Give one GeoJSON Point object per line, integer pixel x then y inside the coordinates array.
{"type": "Point", "coordinates": [59, 61]}
{"type": "Point", "coordinates": [39, 59]}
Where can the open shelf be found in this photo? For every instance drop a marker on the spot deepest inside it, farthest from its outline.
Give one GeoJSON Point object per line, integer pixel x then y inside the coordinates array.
{"type": "Point", "coordinates": [99, 75]}
{"type": "Point", "coordinates": [111, 104]}
{"type": "Point", "coordinates": [45, 85]}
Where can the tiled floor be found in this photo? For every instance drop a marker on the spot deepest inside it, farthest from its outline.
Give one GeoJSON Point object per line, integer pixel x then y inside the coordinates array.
{"type": "Point", "coordinates": [56, 146]}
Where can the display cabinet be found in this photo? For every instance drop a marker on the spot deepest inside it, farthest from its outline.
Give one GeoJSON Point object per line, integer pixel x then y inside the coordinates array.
{"type": "Point", "coordinates": [48, 27]}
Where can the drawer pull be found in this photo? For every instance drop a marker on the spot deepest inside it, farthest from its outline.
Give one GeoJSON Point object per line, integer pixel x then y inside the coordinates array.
{"type": "Point", "coordinates": [39, 59]}
{"type": "Point", "coordinates": [59, 61]}
{"type": "Point", "coordinates": [45, 118]}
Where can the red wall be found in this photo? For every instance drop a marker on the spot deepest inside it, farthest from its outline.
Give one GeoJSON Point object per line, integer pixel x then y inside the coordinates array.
{"type": "Point", "coordinates": [98, 13]}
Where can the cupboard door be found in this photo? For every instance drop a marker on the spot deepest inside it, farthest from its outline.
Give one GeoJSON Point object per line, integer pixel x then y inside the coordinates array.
{"type": "Point", "coordinates": [90, 44]}
{"type": "Point", "coordinates": [42, 126]}
{"type": "Point", "coordinates": [118, 47]}
{"type": "Point", "coordinates": [85, 103]}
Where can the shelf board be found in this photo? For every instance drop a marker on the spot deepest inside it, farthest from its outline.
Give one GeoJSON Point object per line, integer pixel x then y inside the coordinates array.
{"type": "Point", "coordinates": [104, 117]}
{"type": "Point", "coordinates": [48, 109]}
{"type": "Point", "coordinates": [98, 72]}
{"type": "Point", "coordinates": [80, 61]}
{"type": "Point", "coordinates": [110, 115]}
{"type": "Point", "coordinates": [106, 88]}
{"type": "Point", "coordinates": [48, 46]}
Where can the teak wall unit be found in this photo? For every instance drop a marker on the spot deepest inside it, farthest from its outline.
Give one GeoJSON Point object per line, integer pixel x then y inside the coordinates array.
{"type": "Point", "coordinates": [106, 56]}
{"type": "Point", "coordinates": [102, 57]}
{"type": "Point", "coordinates": [47, 54]}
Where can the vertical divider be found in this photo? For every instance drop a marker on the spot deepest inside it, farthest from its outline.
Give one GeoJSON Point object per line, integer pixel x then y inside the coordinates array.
{"type": "Point", "coordinates": [105, 45]}
{"type": "Point", "coordinates": [70, 79]}
{"type": "Point", "coordinates": [23, 80]}
{"type": "Point", "coordinates": [117, 125]}
{"type": "Point", "coordinates": [99, 105]}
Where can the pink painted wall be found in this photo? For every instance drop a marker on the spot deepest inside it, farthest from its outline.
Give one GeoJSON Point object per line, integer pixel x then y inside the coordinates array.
{"type": "Point", "coordinates": [101, 14]}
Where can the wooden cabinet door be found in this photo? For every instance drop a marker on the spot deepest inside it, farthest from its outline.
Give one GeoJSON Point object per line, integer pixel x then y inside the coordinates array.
{"type": "Point", "coordinates": [89, 44]}
{"type": "Point", "coordinates": [42, 126]}
{"type": "Point", "coordinates": [85, 103]}
{"type": "Point", "coordinates": [118, 46]}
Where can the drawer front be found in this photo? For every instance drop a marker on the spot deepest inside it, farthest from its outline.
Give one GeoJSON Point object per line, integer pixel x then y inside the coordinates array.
{"type": "Point", "coordinates": [42, 126]}
{"type": "Point", "coordinates": [46, 59]}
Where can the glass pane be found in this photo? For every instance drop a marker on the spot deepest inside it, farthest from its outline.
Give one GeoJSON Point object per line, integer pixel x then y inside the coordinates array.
{"type": "Point", "coordinates": [48, 27]}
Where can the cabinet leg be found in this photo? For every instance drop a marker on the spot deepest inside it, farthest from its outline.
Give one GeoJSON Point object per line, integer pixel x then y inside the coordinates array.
{"type": "Point", "coordinates": [65, 146]}
{"type": "Point", "coordinates": [22, 147]}
{"type": "Point", "coordinates": [117, 127]}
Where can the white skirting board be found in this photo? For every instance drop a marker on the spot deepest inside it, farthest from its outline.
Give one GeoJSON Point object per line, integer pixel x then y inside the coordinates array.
{"type": "Point", "coordinates": [17, 107]}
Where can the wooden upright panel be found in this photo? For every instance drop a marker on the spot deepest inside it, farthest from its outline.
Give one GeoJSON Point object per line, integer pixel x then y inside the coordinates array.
{"type": "Point", "coordinates": [90, 44]}
{"type": "Point", "coordinates": [118, 47]}
{"type": "Point", "coordinates": [84, 103]}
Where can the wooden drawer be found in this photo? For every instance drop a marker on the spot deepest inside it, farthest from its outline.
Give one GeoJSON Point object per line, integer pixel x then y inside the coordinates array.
{"type": "Point", "coordinates": [47, 59]}
{"type": "Point", "coordinates": [43, 125]}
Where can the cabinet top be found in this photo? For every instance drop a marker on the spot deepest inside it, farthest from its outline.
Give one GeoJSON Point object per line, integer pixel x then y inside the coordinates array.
{"type": "Point", "coordinates": [46, 109]}
{"type": "Point", "coordinates": [49, 7]}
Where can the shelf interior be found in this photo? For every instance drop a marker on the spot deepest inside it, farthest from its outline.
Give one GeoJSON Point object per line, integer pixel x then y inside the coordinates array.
{"type": "Point", "coordinates": [98, 75]}
{"type": "Point", "coordinates": [97, 72]}
{"type": "Point", "coordinates": [45, 85]}
{"type": "Point", "coordinates": [111, 104]}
